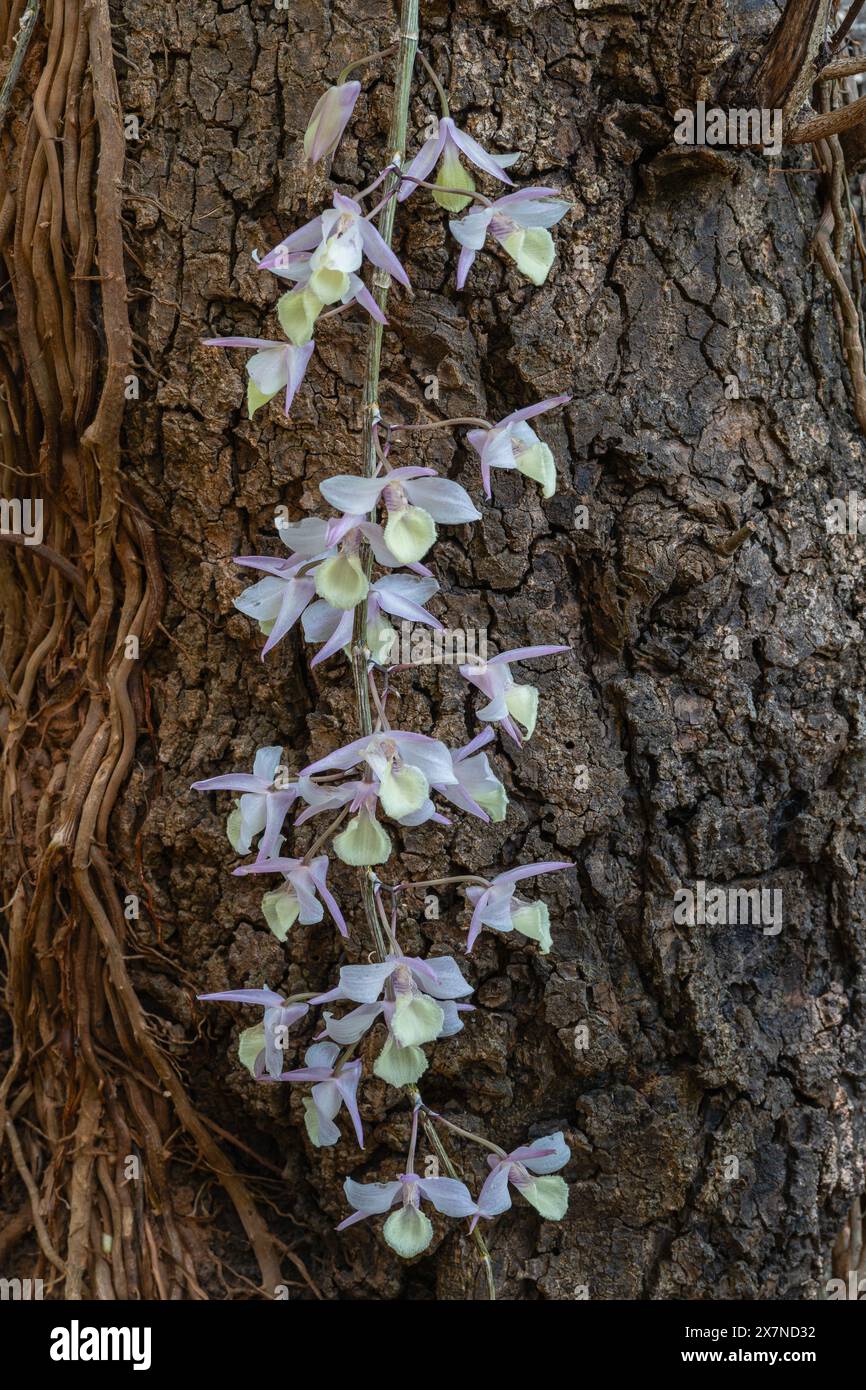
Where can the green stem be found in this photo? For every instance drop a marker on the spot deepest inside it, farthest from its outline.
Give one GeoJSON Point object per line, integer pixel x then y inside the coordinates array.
{"type": "Point", "coordinates": [443, 100]}
{"type": "Point", "coordinates": [360, 652]}
{"type": "Point", "coordinates": [368, 58]}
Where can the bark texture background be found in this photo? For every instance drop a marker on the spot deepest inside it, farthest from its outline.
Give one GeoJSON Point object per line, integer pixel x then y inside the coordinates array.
{"type": "Point", "coordinates": [675, 273]}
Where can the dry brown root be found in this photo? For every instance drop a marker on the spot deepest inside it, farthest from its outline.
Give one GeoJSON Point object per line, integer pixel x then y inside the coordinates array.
{"type": "Point", "coordinates": [88, 1092]}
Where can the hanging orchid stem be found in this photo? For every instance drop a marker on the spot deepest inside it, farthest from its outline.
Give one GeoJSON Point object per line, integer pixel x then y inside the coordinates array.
{"type": "Point", "coordinates": [458, 420]}
{"type": "Point", "coordinates": [368, 58]}
{"type": "Point", "coordinates": [381, 284]}
{"type": "Point", "coordinates": [437, 188]}
{"type": "Point", "coordinates": [442, 1154]}
{"type": "Point", "coordinates": [437, 882]}
{"type": "Point", "coordinates": [443, 100]}
{"type": "Point", "coordinates": [466, 1134]}
{"type": "Point", "coordinates": [360, 652]}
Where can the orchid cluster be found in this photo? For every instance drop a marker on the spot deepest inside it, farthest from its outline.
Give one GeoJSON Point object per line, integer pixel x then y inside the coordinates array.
{"type": "Point", "coordinates": [323, 259]}
{"type": "Point", "coordinates": [341, 578]}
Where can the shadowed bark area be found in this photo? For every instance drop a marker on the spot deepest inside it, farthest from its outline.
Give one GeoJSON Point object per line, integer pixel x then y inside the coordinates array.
{"type": "Point", "coordinates": [708, 726]}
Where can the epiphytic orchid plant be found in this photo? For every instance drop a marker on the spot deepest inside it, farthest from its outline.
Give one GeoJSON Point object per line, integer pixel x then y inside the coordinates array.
{"type": "Point", "coordinates": [386, 519]}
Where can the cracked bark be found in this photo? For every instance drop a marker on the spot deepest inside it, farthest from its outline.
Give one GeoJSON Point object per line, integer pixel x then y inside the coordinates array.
{"type": "Point", "coordinates": [705, 523]}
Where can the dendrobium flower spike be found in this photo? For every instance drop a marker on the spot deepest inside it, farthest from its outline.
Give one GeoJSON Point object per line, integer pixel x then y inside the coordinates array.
{"type": "Point", "coordinates": [387, 518]}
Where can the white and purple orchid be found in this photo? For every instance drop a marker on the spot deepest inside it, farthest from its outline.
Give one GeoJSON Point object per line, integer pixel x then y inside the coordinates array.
{"type": "Point", "coordinates": [405, 766]}
{"type": "Point", "coordinates": [334, 551]}
{"type": "Point", "coordinates": [510, 703]}
{"type": "Point", "coordinates": [331, 114]}
{"type": "Point", "coordinates": [274, 367]}
{"type": "Point", "coordinates": [478, 790]}
{"type": "Point", "coordinates": [335, 1085]}
{"type": "Point", "coordinates": [263, 803]}
{"type": "Point", "coordinates": [413, 1009]}
{"type": "Point", "coordinates": [399, 595]}
{"type": "Point", "coordinates": [415, 499]}
{"type": "Point", "coordinates": [497, 906]}
{"type": "Point", "coordinates": [528, 1170]}
{"type": "Point", "coordinates": [419, 1007]}
{"type": "Point", "coordinates": [390, 518]}
{"type": "Point", "coordinates": [302, 897]}
{"type": "Point", "coordinates": [261, 1047]}
{"type": "Point", "coordinates": [445, 148]}
{"type": "Point", "coordinates": [327, 564]}
{"type": "Point", "coordinates": [520, 223]}
{"type": "Point", "coordinates": [408, 1231]}
{"type": "Point", "coordinates": [337, 242]}
{"type": "Point", "coordinates": [299, 309]}
{"type": "Point", "coordinates": [511, 443]}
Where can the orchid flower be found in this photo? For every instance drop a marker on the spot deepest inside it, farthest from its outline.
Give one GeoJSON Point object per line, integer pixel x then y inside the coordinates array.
{"type": "Point", "coordinates": [273, 367]}
{"type": "Point", "coordinates": [414, 1016]}
{"type": "Point", "coordinates": [331, 114]}
{"type": "Point", "coordinates": [329, 556]}
{"type": "Point", "coordinates": [335, 1086]}
{"type": "Point", "coordinates": [338, 240]}
{"type": "Point", "coordinates": [509, 701]}
{"type": "Point", "coordinates": [445, 148]}
{"type": "Point", "coordinates": [519, 222]}
{"type": "Point", "coordinates": [299, 309]}
{"type": "Point", "coordinates": [497, 906]}
{"type": "Point", "coordinates": [277, 601]}
{"type": "Point", "coordinates": [415, 499]}
{"type": "Point", "coordinates": [261, 1047]}
{"type": "Point", "coordinates": [478, 791]}
{"type": "Point", "coordinates": [364, 842]}
{"type": "Point", "coordinates": [262, 806]}
{"type": "Point", "coordinates": [299, 899]}
{"type": "Point", "coordinates": [511, 443]}
{"type": "Point", "coordinates": [339, 576]}
{"type": "Point", "coordinates": [397, 594]}
{"type": "Point", "coordinates": [405, 765]}
{"type": "Point", "coordinates": [527, 1169]}
{"type": "Point", "coordinates": [419, 1008]}
{"type": "Point", "coordinates": [408, 1231]}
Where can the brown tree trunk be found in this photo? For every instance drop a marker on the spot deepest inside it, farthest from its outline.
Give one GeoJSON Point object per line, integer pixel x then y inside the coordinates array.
{"type": "Point", "coordinates": [710, 725]}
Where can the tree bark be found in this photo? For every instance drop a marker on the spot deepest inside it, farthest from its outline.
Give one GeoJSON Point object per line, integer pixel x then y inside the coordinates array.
{"type": "Point", "coordinates": [708, 726]}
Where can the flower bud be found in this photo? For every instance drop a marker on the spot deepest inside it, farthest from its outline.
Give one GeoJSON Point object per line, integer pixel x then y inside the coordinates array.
{"type": "Point", "coordinates": [330, 117]}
